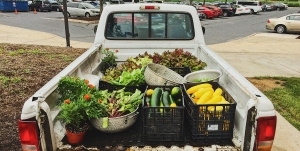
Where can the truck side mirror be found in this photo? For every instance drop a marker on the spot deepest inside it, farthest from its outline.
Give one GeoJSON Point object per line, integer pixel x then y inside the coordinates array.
{"type": "Point", "coordinates": [203, 30]}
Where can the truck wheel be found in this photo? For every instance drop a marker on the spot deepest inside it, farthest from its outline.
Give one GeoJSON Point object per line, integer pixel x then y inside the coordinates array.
{"type": "Point", "coordinates": [57, 9]}
{"type": "Point", "coordinates": [280, 29]}
{"type": "Point", "coordinates": [251, 11]}
{"type": "Point", "coordinates": [205, 16]}
{"type": "Point", "coordinates": [69, 15]}
{"type": "Point", "coordinates": [225, 14]}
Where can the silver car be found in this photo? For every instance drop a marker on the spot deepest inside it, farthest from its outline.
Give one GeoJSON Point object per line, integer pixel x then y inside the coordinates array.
{"type": "Point", "coordinates": [82, 9]}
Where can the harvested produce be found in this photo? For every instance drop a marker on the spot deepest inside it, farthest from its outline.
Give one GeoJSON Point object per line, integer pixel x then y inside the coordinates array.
{"type": "Point", "coordinates": [149, 92]}
{"type": "Point", "coordinates": [155, 98]}
{"type": "Point", "coordinates": [131, 72]}
{"type": "Point", "coordinates": [164, 98]}
{"type": "Point", "coordinates": [203, 94]}
{"type": "Point", "coordinates": [195, 88]}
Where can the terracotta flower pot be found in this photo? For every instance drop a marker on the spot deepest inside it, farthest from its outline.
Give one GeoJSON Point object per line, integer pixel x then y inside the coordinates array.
{"type": "Point", "coordinates": [75, 138]}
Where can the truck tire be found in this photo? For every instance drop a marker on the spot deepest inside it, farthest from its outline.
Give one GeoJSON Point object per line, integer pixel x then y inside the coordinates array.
{"type": "Point", "coordinates": [225, 14]}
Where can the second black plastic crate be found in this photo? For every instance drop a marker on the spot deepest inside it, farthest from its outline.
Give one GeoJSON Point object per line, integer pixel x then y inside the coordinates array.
{"type": "Point", "coordinates": [207, 124]}
{"type": "Point", "coordinates": [163, 124]}
{"type": "Point", "coordinates": [182, 71]}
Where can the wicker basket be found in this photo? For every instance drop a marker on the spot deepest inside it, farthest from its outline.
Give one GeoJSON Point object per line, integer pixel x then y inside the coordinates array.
{"type": "Point", "coordinates": [156, 74]}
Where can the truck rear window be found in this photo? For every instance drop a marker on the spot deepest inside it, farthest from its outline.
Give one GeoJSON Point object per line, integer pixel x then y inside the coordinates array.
{"type": "Point", "coordinates": [149, 26]}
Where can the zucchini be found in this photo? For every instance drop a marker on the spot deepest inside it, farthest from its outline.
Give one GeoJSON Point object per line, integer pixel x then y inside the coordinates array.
{"type": "Point", "coordinates": [166, 99]}
{"type": "Point", "coordinates": [155, 98]}
{"type": "Point", "coordinates": [173, 104]}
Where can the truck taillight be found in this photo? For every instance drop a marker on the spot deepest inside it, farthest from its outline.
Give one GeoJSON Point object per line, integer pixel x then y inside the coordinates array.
{"type": "Point", "coordinates": [269, 21]}
{"type": "Point", "coordinates": [265, 133]}
{"type": "Point", "coordinates": [28, 135]}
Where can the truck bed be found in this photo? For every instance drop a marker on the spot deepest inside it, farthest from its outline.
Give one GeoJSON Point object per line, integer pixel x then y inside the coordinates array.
{"type": "Point", "coordinates": [134, 137]}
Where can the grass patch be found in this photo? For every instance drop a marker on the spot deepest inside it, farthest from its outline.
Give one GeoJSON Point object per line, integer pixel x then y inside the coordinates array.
{"type": "Point", "coordinates": [6, 80]}
{"type": "Point", "coordinates": [286, 100]}
{"type": "Point", "coordinates": [12, 53]}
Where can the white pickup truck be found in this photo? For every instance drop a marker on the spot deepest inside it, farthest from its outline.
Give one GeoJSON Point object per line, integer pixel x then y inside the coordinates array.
{"type": "Point", "coordinates": [150, 27]}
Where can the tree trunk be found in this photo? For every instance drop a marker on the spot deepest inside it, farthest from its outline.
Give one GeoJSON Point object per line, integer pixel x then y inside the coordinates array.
{"type": "Point", "coordinates": [101, 6]}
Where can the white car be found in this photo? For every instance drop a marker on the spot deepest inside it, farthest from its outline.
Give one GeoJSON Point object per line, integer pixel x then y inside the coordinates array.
{"type": "Point", "coordinates": [288, 23]}
{"type": "Point", "coordinates": [240, 9]}
{"type": "Point", "coordinates": [82, 9]}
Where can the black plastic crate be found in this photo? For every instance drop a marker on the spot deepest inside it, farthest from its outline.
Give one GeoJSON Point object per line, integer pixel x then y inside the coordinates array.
{"type": "Point", "coordinates": [103, 85]}
{"type": "Point", "coordinates": [163, 124]}
{"type": "Point", "coordinates": [182, 71]}
{"type": "Point", "coordinates": [205, 124]}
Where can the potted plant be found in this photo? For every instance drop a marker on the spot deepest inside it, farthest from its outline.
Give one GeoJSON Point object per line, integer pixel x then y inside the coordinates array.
{"type": "Point", "coordinates": [75, 99]}
{"type": "Point", "coordinates": [82, 102]}
{"type": "Point", "coordinates": [109, 60]}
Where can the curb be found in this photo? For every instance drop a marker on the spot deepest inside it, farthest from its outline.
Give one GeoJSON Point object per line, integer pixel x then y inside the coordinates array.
{"type": "Point", "coordinates": [82, 21]}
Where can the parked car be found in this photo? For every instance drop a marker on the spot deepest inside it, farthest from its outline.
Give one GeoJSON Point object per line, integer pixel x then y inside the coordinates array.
{"type": "Point", "coordinates": [40, 5]}
{"type": "Point", "coordinates": [254, 6]}
{"type": "Point", "coordinates": [215, 8]}
{"type": "Point", "coordinates": [269, 7]}
{"type": "Point", "coordinates": [82, 9]}
{"type": "Point", "coordinates": [56, 6]}
{"type": "Point", "coordinates": [126, 18]}
{"type": "Point", "coordinates": [157, 18]}
{"type": "Point", "coordinates": [240, 9]}
{"type": "Point", "coordinates": [278, 6]}
{"type": "Point", "coordinates": [209, 13]}
{"type": "Point", "coordinates": [285, 6]}
{"type": "Point", "coordinates": [263, 7]}
{"type": "Point", "coordinates": [288, 23]}
{"type": "Point", "coordinates": [228, 9]}
{"type": "Point", "coordinates": [201, 15]}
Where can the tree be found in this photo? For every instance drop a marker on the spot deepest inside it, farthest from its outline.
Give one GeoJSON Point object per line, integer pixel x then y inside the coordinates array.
{"type": "Point", "coordinates": [101, 6]}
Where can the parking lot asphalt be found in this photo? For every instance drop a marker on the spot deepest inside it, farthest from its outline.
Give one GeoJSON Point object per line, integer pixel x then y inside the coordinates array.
{"type": "Point", "coordinates": [260, 54]}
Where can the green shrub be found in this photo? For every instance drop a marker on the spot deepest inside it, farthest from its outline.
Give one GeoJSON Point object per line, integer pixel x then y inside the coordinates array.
{"type": "Point", "coordinates": [293, 4]}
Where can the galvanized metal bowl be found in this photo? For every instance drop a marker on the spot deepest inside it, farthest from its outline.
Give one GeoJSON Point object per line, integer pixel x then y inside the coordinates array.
{"type": "Point", "coordinates": [210, 74]}
{"type": "Point", "coordinates": [116, 124]}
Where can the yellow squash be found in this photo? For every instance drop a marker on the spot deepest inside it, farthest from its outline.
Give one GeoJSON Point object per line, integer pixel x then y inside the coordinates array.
{"type": "Point", "coordinates": [214, 100]}
{"type": "Point", "coordinates": [193, 89]}
{"type": "Point", "coordinates": [218, 91]}
{"type": "Point", "coordinates": [201, 91]}
{"type": "Point", "coordinates": [205, 97]}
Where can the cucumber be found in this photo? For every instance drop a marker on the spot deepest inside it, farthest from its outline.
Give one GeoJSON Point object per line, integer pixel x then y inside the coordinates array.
{"type": "Point", "coordinates": [155, 98]}
{"type": "Point", "coordinates": [166, 99]}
